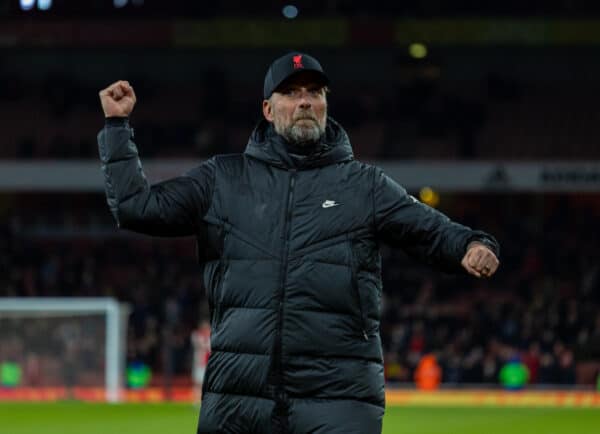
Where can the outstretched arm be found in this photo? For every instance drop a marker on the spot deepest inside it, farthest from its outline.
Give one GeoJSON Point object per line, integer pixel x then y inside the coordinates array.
{"type": "Point", "coordinates": [402, 221]}
{"type": "Point", "coordinates": [170, 208]}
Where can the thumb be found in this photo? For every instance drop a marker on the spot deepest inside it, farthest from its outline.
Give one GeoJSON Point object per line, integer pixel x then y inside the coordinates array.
{"type": "Point", "coordinates": [466, 263]}
{"type": "Point", "coordinates": [472, 271]}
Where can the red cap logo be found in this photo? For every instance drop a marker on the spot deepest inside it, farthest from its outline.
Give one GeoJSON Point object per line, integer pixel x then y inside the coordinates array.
{"type": "Point", "coordinates": [297, 61]}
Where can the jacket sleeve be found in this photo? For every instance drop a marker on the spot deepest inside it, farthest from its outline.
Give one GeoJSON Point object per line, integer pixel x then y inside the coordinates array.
{"type": "Point", "coordinates": [402, 221]}
{"type": "Point", "coordinates": [170, 208]}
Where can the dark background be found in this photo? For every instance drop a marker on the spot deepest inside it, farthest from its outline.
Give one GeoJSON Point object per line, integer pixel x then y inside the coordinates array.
{"type": "Point", "coordinates": [510, 82]}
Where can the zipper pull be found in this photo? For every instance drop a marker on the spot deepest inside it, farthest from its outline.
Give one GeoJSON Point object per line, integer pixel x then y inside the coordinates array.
{"type": "Point", "coordinates": [365, 335]}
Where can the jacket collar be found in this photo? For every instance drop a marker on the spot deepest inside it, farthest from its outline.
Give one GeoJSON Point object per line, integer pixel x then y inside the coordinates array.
{"type": "Point", "coordinates": [266, 145]}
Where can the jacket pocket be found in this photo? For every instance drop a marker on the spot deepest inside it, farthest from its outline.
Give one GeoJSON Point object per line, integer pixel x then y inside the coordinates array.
{"type": "Point", "coordinates": [356, 289]}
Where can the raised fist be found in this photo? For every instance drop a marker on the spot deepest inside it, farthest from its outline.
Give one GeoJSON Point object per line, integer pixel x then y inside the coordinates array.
{"type": "Point", "coordinates": [479, 260]}
{"type": "Point", "coordinates": [117, 99]}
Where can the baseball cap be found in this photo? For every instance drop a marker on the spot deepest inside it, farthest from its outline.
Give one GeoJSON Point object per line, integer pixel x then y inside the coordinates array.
{"type": "Point", "coordinates": [286, 66]}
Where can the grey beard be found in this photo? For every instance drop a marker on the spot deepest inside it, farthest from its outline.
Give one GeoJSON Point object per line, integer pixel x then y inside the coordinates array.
{"type": "Point", "coordinates": [302, 136]}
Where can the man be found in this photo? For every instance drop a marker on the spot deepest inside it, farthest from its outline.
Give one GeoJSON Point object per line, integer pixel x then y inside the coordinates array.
{"type": "Point", "coordinates": [288, 234]}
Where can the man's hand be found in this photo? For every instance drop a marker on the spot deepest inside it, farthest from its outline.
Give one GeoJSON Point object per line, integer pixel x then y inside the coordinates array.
{"type": "Point", "coordinates": [479, 260]}
{"type": "Point", "coordinates": [117, 99]}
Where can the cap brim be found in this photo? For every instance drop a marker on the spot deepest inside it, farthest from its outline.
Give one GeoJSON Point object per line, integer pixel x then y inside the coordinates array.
{"type": "Point", "coordinates": [319, 76]}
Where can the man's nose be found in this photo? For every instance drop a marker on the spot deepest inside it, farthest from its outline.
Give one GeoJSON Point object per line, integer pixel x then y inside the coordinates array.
{"type": "Point", "coordinates": [304, 101]}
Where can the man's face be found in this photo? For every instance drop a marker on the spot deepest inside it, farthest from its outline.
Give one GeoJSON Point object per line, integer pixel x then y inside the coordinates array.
{"type": "Point", "coordinates": [298, 109]}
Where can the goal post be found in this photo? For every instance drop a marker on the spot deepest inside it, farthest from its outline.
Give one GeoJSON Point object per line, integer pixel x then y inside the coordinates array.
{"type": "Point", "coordinates": [68, 342]}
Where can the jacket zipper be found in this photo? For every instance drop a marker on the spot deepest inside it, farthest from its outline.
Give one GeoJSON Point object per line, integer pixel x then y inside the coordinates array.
{"type": "Point", "coordinates": [277, 354]}
{"type": "Point", "coordinates": [356, 289]}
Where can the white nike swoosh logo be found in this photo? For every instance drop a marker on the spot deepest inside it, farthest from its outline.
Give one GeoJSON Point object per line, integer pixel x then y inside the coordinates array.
{"type": "Point", "coordinates": [329, 203]}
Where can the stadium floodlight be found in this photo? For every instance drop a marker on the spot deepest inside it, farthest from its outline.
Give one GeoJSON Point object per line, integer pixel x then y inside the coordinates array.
{"type": "Point", "coordinates": [290, 11]}
{"type": "Point", "coordinates": [27, 5]}
{"type": "Point", "coordinates": [65, 342]}
{"type": "Point", "coordinates": [44, 5]}
{"type": "Point", "coordinates": [417, 50]}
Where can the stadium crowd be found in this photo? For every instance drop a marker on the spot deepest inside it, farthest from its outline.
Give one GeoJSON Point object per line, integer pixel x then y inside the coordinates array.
{"type": "Point", "coordinates": [415, 116]}
{"type": "Point", "coordinates": [543, 306]}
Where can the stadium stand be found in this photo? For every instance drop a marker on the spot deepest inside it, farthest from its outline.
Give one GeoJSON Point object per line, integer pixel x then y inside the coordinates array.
{"type": "Point", "coordinates": [420, 121]}
{"type": "Point", "coordinates": [543, 306]}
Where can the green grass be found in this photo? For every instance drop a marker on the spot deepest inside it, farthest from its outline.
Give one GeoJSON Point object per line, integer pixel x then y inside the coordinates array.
{"type": "Point", "coordinates": [83, 418]}
{"type": "Point", "coordinates": [477, 420]}
{"type": "Point", "coordinates": [80, 418]}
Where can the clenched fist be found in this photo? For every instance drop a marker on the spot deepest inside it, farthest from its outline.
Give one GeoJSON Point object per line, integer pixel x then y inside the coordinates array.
{"type": "Point", "coordinates": [479, 260]}
{"type": "Point", "coordinates": [117, 99]}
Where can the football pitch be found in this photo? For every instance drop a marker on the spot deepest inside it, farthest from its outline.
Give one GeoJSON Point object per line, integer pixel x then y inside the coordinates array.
{"type": "Point", "coordinates": [83, 418]}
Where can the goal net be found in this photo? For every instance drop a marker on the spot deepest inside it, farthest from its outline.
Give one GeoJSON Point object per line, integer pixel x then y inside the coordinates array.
{"type": "Point", "coordinates": [62, 347]}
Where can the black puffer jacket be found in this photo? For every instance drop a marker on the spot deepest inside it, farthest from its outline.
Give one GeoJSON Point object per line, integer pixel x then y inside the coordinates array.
{"type": "Point", "coordinates": [290, 252]}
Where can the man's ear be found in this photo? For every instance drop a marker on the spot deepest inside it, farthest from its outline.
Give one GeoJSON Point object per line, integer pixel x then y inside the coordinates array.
{"type": "Point", "coordinates": [267, 107]}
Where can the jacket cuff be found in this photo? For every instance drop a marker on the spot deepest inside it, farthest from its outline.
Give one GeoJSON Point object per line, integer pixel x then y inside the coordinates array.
{"type": "Point", "coordinates": [486, 240]}
{"type": "Point", "coordinates": [117, 121]}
